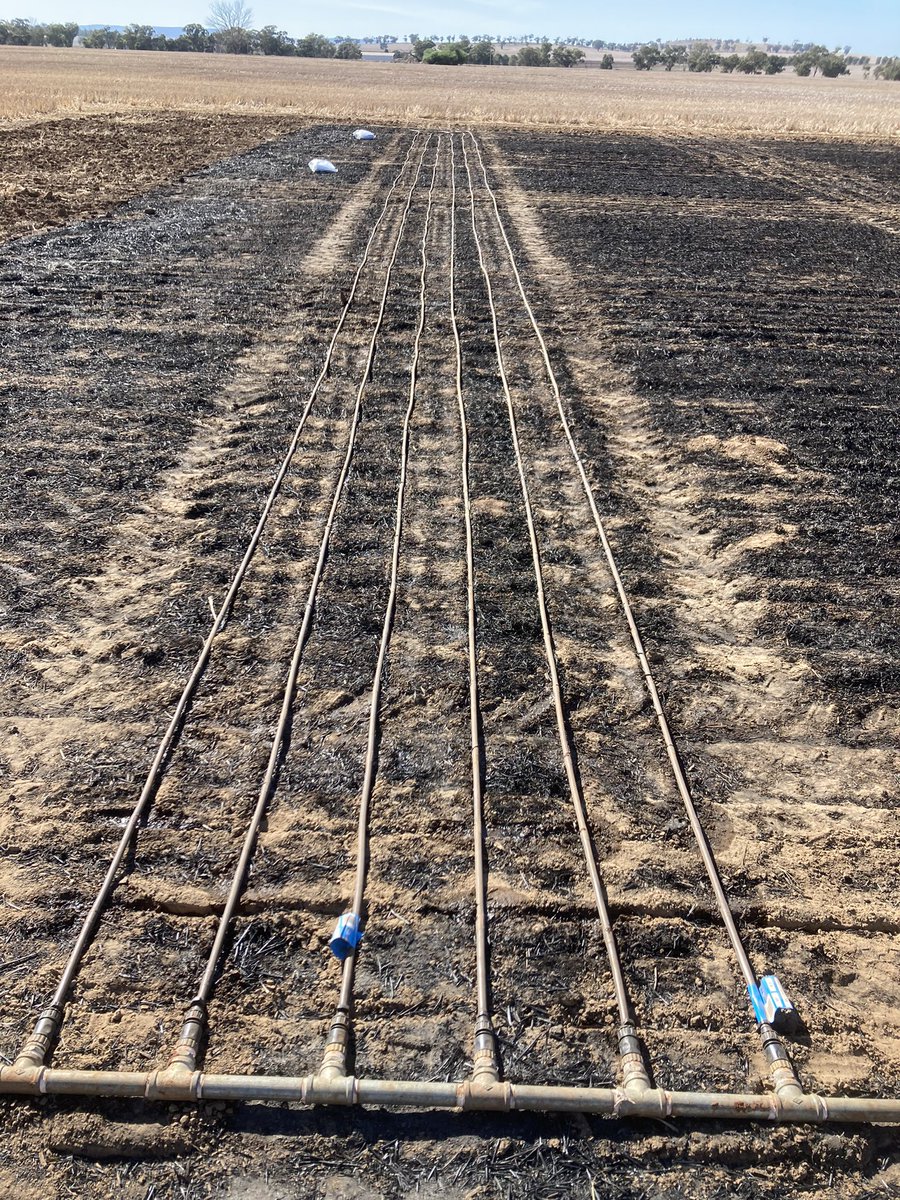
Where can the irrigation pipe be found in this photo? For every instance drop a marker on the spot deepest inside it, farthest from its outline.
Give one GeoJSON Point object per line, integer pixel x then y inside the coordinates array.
{"type": "Point", "coordinates": [784, 1076]}
{"type": "Point", "coordinates": [485, 1058]}
{"type": "Point", "coordinates": [347, 1091]}
{"type": "Point", "coordinates": [334, 1062]}
{"type": "Point", "coordinates": [630, 1049]}
{"type": "Point", "coordinates": [46, 1029]}
{"type": "Point", "coordinates": [194, 1027]}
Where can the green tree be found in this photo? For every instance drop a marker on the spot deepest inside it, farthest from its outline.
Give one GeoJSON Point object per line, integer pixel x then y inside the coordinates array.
{"type": "Point", "coordinates": [813, 59]}
{"type": "Point", "coordinates": [565, 56]}
{"type": "Point", "coordinates": [753, 63]}
{"type": "Point", "coordinates": [646, 57]}
{"type": "Point", "coordinates": [271, 41]}
{"type": "Point", "coordinates": [315, 45]}
{"type": "Point", "coordinates": [102, 39]}
{"type": "Point", "coordinates": [702, 58]}
{"type": "Point", "coordinates": [607, 62]}
{"type": "Point", "coordinates": [348, 49]}
{"type": "Point", "coordinates": [95, 39]}
{"type": "Point", "coordinates": [888, 68]}
{"type": "Point", "coordinates": [671, 55]}
{"type": "Point", "coordinates": [481, 52]}
{"type": "Point", "coordinates": [730, 63]}
{"type": "Point", "coordinates": [451, 55]}
{"type": "Point", "coordinates": [138, 37]}
{"type": "Point", "coordinates": [529, 56]}
{"type": "Point", "coordinates": [198, 39]}
{"type": "Point", "coordinates": [18, 32]}
{"type": "Point", "coordinates": [833, 65]}
{"type": "Point", "coordinates": [61, 35]}
{"type": "Point", "coordinates": [420, 47]}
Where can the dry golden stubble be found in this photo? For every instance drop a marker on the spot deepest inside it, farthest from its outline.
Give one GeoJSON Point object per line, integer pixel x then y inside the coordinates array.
{"type": "Point", "coordinates": [47, 82]}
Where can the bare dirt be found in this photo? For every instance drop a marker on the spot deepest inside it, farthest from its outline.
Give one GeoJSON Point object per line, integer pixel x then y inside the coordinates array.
{"type": "Point", "coordinates": [57, 170]}
{"type": "Point", "coordinates": [721, 320]}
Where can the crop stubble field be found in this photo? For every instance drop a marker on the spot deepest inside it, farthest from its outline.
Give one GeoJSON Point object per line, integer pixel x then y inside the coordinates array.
{"type": "Point", "coordinates": [721, 317]}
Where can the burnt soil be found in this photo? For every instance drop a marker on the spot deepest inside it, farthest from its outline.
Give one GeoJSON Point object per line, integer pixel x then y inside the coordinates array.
{"type": "Point", "coordinates": [723, 321]}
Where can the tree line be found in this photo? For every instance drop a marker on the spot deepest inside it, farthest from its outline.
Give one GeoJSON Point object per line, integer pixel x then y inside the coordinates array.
{"type": "Point", "coordinates": [482, 52]}
{"type": "Point", "coordinates": [700, 56]}
{"type": "Point", "coordinates": [229, 31]}
{"type": "Point", "coordinates": [231, 40]}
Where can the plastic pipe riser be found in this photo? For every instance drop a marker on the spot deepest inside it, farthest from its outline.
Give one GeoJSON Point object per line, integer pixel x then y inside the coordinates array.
{"type": "Point", "coordinates": [772, 1047]}
{"type": "Point", "coordinates": [633, 1062]}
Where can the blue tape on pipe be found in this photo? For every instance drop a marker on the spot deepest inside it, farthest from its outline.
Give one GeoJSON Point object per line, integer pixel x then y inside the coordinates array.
{"type": "Point", "coordinates": [346, 937]}
{"type": "Point", "coordinates": [759, 1009]}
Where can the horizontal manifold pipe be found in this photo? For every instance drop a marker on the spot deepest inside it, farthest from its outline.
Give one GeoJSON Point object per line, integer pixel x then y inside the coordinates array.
{"type": "Point", "coordinates": [492, 1097]}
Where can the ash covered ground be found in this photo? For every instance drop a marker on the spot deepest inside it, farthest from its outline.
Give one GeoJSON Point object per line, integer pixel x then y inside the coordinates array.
{"type": "Point", "coordinates": [722, 320]}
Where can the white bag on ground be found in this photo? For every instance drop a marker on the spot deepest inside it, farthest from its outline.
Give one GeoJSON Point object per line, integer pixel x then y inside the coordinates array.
{"type": "Point", "coordinates": [321, 166]}
{"type": "Point", "coordinates": [364, 135]}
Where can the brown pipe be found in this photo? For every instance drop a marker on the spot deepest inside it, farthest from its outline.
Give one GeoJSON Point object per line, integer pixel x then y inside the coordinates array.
{"type": "Point", "coordinates": [581, 818]}
{"type": "Point", "coordinates": [654, 1103]}
{"type": "Point", "coordinates": [335, 1056]}
{"type": "Point", "coordinates": [38, 1044]}
{"type": "Point", "coordinates": [485, 1054]}
{"type": "Point", "coordinates": [783, 1075]}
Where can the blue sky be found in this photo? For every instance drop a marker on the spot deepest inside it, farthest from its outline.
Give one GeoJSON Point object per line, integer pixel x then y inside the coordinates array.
{"type": "Point", "coordinates": [871, 26]}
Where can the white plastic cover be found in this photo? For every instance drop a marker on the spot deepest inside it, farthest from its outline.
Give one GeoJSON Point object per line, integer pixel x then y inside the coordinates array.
{"type": "Point", "coordinates": [322, 166]}
{"type": "Point", "coordinates": [364, 135]}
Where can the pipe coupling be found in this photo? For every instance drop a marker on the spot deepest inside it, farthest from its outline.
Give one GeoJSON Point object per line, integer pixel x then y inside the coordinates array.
{"type": "Point", "coordinates": [784, 1078]}
{"type": "Point", "coordinates": [187, 1048]}
{"type": "Point", "coordinates": [174, 1083]}
{"type": "Point", "coordinates": [334, 1060]}
{"type": "Point", "coordinates": [331, 1089]}
{"type": "Point", "coordinates": [484, 1096]}
{"type": "Point", "coordinates": [485, 1059]}
{"type": "Point", "coordinates": [46, 1030]}
{"type": "Point", "coordinates": [635, 1076]}
{"type": "Point", "coordinates": [23, 1078]}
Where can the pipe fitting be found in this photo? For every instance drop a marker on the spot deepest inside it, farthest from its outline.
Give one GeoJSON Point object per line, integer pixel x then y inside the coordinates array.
{"type": "Point", "coordinates": [485, 1060]}
{"type": "Point", "coordinates": [38, 1045]}
{"type": "Point", "coordinates": [23, 1078]}
{"type": "Point", "coordinates": [784, 1078]}
{"type": "Point", "coordinates": [187, 1048]}
{"type": "Point", "coordinates": [331, 1089]}
{"type": "Point", "coordinates": [176, 1082]}
{"type": "Point", "coordinates": [635, 1076]}
{"type": "Point", "coordinates": [488, 1096]}
{"type": "Point", "coordinates": [334, 1060]}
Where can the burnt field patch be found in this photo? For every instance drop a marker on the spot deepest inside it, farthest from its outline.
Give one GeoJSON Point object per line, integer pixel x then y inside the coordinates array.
{"type": "Point", "coordinates": [160, 360]}
{"type": "Point", "coordinates": [727, 313]}
{"type": "Point", "coordinates": [765, 348]}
